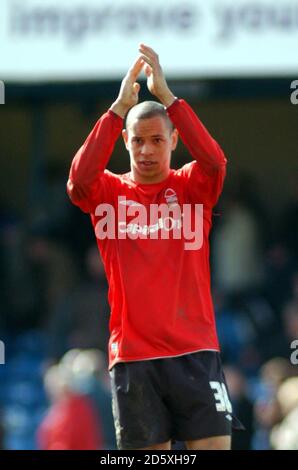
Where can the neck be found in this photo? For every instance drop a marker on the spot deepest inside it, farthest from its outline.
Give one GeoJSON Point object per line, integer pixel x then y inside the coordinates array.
{"type": "Point", "coordinates": [141, 179]}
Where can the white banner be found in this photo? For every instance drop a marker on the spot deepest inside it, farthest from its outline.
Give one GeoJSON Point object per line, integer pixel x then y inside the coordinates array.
{"type": "Point", "coordinates": [98, 39]}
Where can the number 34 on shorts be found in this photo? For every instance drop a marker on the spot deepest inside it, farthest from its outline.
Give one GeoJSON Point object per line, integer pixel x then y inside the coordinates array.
{"type": "Point", "coordinates": [222, 401]}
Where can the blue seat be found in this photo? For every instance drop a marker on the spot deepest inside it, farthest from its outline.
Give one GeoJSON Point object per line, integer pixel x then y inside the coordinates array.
{"type": "Point", "coordinates": [17, 420]}
{"type": "Point", "coordinates": [29, 394]}
{"type": "Point", "coordinates": [25, 367]}
{"type": "Point", "coordinates": [15, 442]}
{"type": "Point", "coordinates": [33, 342]}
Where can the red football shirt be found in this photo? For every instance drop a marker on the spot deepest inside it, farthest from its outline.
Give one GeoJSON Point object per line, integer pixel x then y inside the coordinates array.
{"type": "Point", "coordinates": [70, 425]}
{"type": "Point", "coordinates": [159, 292]}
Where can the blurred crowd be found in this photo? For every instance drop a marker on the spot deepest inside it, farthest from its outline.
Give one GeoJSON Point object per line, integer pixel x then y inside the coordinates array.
{"type": "Point", "coordinates": [54, 321]}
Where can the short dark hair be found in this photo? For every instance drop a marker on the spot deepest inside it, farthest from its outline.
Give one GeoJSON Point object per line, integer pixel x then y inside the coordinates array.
{"type": "Point", "coordinates": [147, 110]}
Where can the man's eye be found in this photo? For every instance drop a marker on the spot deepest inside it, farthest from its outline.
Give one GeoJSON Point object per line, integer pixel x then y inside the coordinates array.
{"type": "Point", "coordinates": [157, 140]}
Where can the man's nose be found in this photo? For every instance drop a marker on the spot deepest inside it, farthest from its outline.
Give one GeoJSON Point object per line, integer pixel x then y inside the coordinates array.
{"type": "Point", "coordinates": [147, 148]}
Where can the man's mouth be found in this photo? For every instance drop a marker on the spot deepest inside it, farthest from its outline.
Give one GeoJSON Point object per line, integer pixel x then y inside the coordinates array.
{"type": "Point", "coordinates": [147, 163]}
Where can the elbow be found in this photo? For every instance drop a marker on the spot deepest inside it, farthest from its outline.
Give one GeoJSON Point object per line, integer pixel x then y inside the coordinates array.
{"type": "Point", "coordinates": [215, 158]}
{"type": "Point", "coordinates": [220, 166]}
{"type": "Point", "coordinates": [78, 195]}
{"type": "Point", "coordinates": [70, 188]}
{"type": "Point", "coordinates": [217, 165]}
{"type": "Point", "coordinates": [72, 191]}
{"type": "Point", "coordinates": [219, 160]}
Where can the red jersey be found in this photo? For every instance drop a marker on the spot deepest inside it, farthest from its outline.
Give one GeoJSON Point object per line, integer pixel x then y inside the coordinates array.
{"type": "Point", "coordinates": [70, 425]}
{"type": "Point", "coordinates": [159, 292]}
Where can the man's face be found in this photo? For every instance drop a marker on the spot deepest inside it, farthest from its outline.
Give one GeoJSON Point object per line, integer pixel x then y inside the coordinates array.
{"type": "Point", "coordinates": [150, 143]}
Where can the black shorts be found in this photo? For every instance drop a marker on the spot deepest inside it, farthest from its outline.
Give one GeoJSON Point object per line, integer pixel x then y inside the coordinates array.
{"type": "Point", "coordinates": [181, 398]}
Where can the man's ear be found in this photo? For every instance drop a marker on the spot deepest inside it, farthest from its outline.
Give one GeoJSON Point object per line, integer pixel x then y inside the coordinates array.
{"type": "Point", "coordinates": [174, 138]}
{"type": "Point", "coordinates": [125, 137]}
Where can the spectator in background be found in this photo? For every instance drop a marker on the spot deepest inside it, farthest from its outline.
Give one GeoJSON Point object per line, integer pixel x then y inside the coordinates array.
{"type": "Point", "coordinates": [275, 371]}
{"type": "Point", "coordinates": [237, 253]}
{"type": "Point", "coordinates": [267, 408]}
{"type": "Point", "coordinates": [284, 436]}
{"type": "Point", "coordinates": [90, 378]}
{"type": "Point", "coordinates": [70, 423]}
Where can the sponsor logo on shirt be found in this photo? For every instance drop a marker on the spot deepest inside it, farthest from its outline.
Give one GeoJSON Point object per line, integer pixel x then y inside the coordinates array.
{"type": "Point", "coordinates": [129, 202]}
{"type": "Point", "coordinates": [167, 224]}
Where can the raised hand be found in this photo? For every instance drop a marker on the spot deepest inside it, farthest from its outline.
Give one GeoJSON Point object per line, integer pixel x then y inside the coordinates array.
{"type": "Point", "coordinates": [129, 90]}
{"type": "Point", "coordinates": [156, 81]}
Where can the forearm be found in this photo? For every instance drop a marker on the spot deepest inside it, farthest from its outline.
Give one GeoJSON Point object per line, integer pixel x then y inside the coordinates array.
{"type": "Point", "coordinates": [92, 158]}
{"type": "Point", "coordinates": [195, 137]}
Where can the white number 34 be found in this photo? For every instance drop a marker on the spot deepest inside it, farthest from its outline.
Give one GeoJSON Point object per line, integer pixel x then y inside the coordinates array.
{"type": "Point", "coordinates": [222, 401]}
